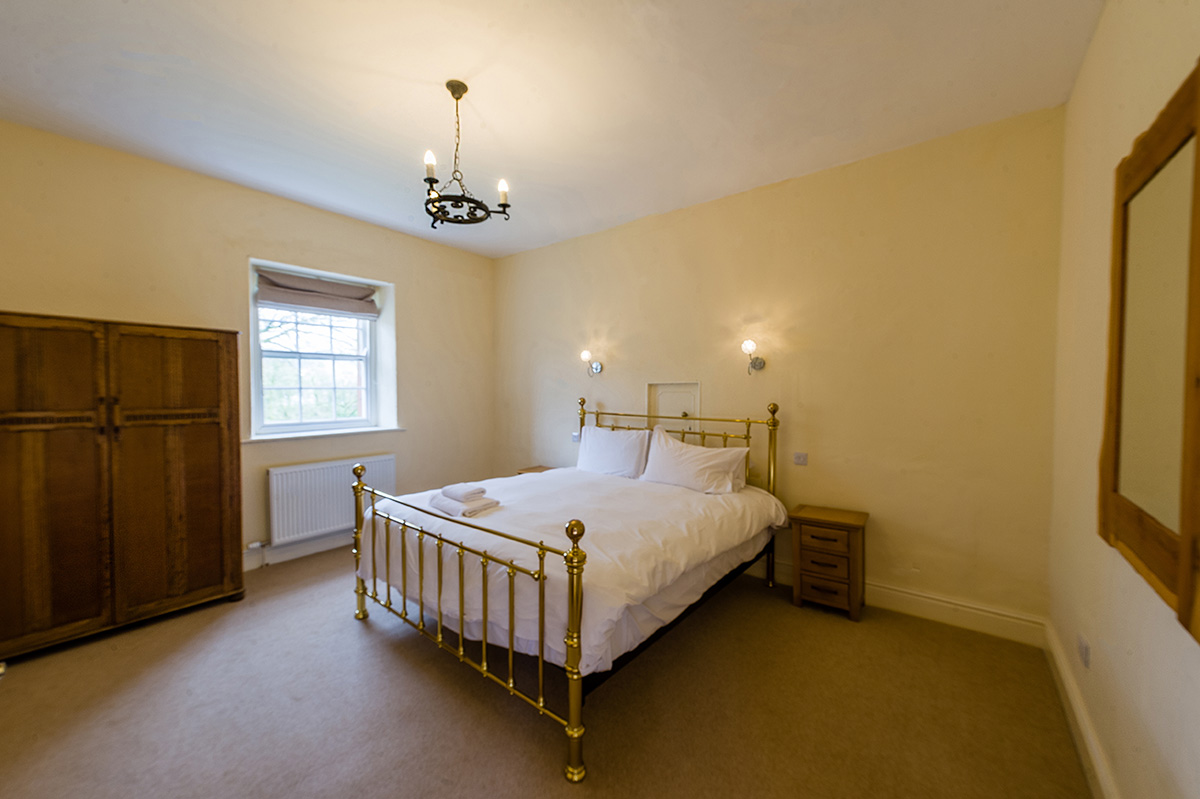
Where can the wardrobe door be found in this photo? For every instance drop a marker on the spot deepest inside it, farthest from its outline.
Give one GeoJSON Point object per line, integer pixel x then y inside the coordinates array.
{"type": "Point", "coordinates": [176, 513]}
{"type": "Point", "coordinates": [54, 545]}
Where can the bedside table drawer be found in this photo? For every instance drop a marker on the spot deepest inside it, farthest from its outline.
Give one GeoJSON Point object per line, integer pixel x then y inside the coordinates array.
{"type": "Point", "coordinates": [834, 566]}
{"type": "Point", "coordinates": [826, 592]}
{"type": "Point", "coordinates": [826, 538]}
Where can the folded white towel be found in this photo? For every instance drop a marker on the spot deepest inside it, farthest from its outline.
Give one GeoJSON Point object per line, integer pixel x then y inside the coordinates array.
{"type": "Point", "coordinates": [464, 492]}
{"type": "Point", "coordinates": [452, 507]}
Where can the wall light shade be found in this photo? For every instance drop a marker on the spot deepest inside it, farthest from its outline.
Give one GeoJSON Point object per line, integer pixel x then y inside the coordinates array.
{"type": "Point", "coordinates": [748, 347]}
{"type": "Point", "coordinates": [593, 367]}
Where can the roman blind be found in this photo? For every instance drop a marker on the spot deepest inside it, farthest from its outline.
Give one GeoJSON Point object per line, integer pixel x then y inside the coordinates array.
{"type": "Point", "coordinates": [297, 291]}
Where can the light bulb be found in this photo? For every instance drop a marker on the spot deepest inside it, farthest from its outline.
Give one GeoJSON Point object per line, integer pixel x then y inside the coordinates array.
{"type": "Point", "coordinates": [430, 164]}
{"type": "Point", "coordinates": [502, 186]}
{"type": "Point", "coordinates": [748, 346]}
{"type": "Point", "coordinates": [585, 356]}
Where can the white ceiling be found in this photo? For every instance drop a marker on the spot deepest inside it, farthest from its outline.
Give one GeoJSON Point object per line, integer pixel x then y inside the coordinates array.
{"type": "Point", "coordinates": [597, 113]}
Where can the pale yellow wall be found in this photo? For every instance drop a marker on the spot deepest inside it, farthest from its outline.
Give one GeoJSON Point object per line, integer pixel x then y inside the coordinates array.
{"type": "Point", "coordinates": [1141, 696]}
{"type": "Point", "coordinates": [905, 307]}
{"type": "Point", "coordinates": [87, 231]}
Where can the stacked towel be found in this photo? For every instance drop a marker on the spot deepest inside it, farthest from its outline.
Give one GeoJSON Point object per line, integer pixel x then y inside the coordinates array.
{"type": "Point", "coordinates": [453, 507]}
{"type": "Point", "coordinates": [464, 492]}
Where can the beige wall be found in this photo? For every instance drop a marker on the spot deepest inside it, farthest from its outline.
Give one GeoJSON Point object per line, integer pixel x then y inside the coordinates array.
{"type": "Point", "coordinates": [87, 231]}
{"type": "Point", "coordinates": [1141, 695]}
{"type": "Point", "coordinates": [905, 307]}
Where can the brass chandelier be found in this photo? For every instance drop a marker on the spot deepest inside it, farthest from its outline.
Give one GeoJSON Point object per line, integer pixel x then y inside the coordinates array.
{"type": "Point", "coordinates": [462, 208]}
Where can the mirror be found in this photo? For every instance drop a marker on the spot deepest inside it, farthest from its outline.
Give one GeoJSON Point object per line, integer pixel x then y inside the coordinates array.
{"type": "Point", "coordinates": [1158, 223]}
{"type": "Point", "coordinates": [1150, 459]}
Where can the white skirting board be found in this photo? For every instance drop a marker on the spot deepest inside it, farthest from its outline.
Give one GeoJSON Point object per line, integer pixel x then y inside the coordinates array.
{"type": "Point", "coordinates": [257, 557]}
{"type": "Point", "coordinates": [1091, 753]}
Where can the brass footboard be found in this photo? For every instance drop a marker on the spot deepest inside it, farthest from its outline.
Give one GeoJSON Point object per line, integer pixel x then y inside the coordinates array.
{"type": "Point", "coordinates": [573, 558]}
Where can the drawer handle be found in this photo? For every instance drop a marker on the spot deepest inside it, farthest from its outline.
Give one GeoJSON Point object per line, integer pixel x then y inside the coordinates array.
{"type": "Point", "coordinates": [823, 590]}
{"type": "Point", "coordinates": [823, 563]}
{"type": "Point", "coordinates": [825, 538]}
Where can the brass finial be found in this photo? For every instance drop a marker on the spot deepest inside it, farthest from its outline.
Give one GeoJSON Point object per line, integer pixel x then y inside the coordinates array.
{"type": "Point", "coordinates": [359, 470]}
{"type": "Point", "coordinates": [575, 531]}
{"type": "Point", "coordinates": [582, 402]}
{"type": "Point", "coordinates": [773, 408]}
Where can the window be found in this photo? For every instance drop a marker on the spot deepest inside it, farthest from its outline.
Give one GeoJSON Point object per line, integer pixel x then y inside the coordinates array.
{"type": "Point", "coordinates": [315, 368]}
{"type": "Point", "coordinates": [314, 352]}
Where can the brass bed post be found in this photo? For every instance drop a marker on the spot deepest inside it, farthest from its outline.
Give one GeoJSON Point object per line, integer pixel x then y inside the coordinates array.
{"type": "Point", "coordinates": [360, 587]}
{"type": "Point", "coordinates": [772, 434]}
{"type": "Point", "coordinates": [574, 559]}
{"type": "Point", "coordinates": [583, 416]}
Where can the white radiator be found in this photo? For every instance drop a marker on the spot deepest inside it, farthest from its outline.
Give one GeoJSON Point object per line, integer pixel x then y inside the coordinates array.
{"type": "Point", "coordinates": [315, 499]}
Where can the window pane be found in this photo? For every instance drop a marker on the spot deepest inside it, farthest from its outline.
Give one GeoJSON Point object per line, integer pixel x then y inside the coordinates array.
{"type": "Point", "coordinates": [275, 314]}
{"type": "Point", "coordinates": [314, 338]}
{"type": "Point", "coordinates": [281, 373]}
{"type": "Point", "coordinates": [316, 373]}
{"type": "Point", "coordinates": [281, 405]}
{"type": "Point", "coordinates": [347, 341]}
{"type": "Point", "coordinates": [351, 404]}
{"type": "Point", "coordinates": [349, 374]}
{"type": "Point", "coordinates": [309, 318]}
{"type": "Point", "coordinates": [317, 404]}
{"type": "Point", "coordinates": [276, 334]}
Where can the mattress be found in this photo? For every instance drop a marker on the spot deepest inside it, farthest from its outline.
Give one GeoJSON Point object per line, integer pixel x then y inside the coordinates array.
{"type": "Point", "coordinates": [652, 549]}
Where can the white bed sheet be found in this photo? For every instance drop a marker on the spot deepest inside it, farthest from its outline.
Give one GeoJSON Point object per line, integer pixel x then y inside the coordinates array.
{"type": "Point", "coordinates": [652, 549]}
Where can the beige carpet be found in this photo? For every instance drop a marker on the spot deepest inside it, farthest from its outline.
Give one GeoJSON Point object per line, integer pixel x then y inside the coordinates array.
{"type": "Point", "coordinates": [286, 695]}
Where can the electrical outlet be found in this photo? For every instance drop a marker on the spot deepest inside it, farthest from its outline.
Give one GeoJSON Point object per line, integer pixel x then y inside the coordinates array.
{"type": "Point", "coordinates": [1085, 651]}
{"type": "Point", "coordinates": [575, 436]}
{"type": "Point", "coordinates": [800, 458]}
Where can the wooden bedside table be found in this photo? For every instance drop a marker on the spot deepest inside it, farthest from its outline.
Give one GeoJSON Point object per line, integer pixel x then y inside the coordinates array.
{"type": "Point", "coordinates": [827, 557]}
{"type": "Point", "coordinates": [534, 469]}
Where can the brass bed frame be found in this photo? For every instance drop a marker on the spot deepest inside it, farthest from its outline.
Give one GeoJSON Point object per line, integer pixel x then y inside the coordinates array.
{"type": "Point", "coordinates": [574, 559]}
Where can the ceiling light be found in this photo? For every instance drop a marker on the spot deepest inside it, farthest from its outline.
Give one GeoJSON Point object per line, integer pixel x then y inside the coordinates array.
{"type": "Point", "coordinates": [461, 208]}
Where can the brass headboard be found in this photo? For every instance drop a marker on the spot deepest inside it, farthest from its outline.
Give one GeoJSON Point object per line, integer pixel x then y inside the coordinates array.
{"type": "Point", "coordinates": [618, 423]}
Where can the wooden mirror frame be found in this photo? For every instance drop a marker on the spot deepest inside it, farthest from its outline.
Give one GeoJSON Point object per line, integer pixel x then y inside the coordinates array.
{"type": "Point", "coordinates": [1166, 559]}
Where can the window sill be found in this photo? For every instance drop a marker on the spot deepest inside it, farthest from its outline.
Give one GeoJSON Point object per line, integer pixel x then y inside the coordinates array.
{"type": "Point", "coordinates": [343, 431]}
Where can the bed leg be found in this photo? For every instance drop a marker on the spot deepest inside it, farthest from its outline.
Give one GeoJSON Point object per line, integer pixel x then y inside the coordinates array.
{"type": "Point", "coordinates": [771, 563]}
{"type": "Point", "coordinates": [575, 558]}
{"type": "Point", "coordinates": [360, 587]}
{"type": "Point", "coordinates": [360, 591]}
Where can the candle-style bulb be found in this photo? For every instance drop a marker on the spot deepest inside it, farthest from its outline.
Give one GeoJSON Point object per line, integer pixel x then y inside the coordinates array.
{"type": "Point", "coordinates": [430, 164]}
{"type": "Point", "coordinates": [503, 187]}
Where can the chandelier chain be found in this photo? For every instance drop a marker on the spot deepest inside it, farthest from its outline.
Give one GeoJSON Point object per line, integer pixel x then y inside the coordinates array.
{"type": "Point", "coordinates": [456, 175]}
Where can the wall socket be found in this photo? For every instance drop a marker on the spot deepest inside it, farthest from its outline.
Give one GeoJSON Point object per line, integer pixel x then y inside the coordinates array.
{"type": "Point", "coordinates": [800, 458]}
{"type": "Point", "coordinates": [1085, 651]}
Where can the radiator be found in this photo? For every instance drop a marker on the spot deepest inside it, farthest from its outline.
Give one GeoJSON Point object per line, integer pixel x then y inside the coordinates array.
{"type": "Point", "coordinates": [314, 499]}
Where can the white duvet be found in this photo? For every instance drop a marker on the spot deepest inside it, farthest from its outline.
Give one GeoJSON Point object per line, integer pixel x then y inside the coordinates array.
{"type": "Point", "coordinates": [652, 549]}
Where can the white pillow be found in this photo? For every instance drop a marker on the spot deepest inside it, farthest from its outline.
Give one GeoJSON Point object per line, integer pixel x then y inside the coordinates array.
{"type": "Point", "coordinates": [619, 452]}
{"type": "Point", "coordinates": [712, 471]}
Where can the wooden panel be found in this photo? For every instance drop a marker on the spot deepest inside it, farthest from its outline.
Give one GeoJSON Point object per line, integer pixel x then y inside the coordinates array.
{"type": "Point", "coordinates": [75, 513]}
{"type": "Point", "coordinates": [54, 545]}
{"type": "Point", "coordinates": [200, 447]}
{"type": "Point", "coordinates": [176, 476]}
{"type": "Point", "coordinates": [141, 517]}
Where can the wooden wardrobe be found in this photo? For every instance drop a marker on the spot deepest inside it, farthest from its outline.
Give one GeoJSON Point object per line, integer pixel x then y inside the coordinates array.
{"type": "Point", "coordinates": [120, 492]}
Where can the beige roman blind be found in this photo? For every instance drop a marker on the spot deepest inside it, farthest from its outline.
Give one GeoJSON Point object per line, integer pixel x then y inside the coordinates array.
{"type": "Point", "coordinates": [297, 291]}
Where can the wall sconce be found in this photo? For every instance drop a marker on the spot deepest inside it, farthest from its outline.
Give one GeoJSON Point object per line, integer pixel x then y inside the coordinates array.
{"type": "Point", "coordinates": [756, 363]}
{"type": "Point", "coordinates": [593, 367]}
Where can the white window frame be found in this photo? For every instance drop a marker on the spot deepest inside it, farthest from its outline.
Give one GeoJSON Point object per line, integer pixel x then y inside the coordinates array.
{"type": "Point", "coordinates": [380, 365]}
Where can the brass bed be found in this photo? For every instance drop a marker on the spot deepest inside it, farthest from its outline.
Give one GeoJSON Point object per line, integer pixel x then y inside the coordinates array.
{"type": "Point", "coordinates": [385, 530]}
